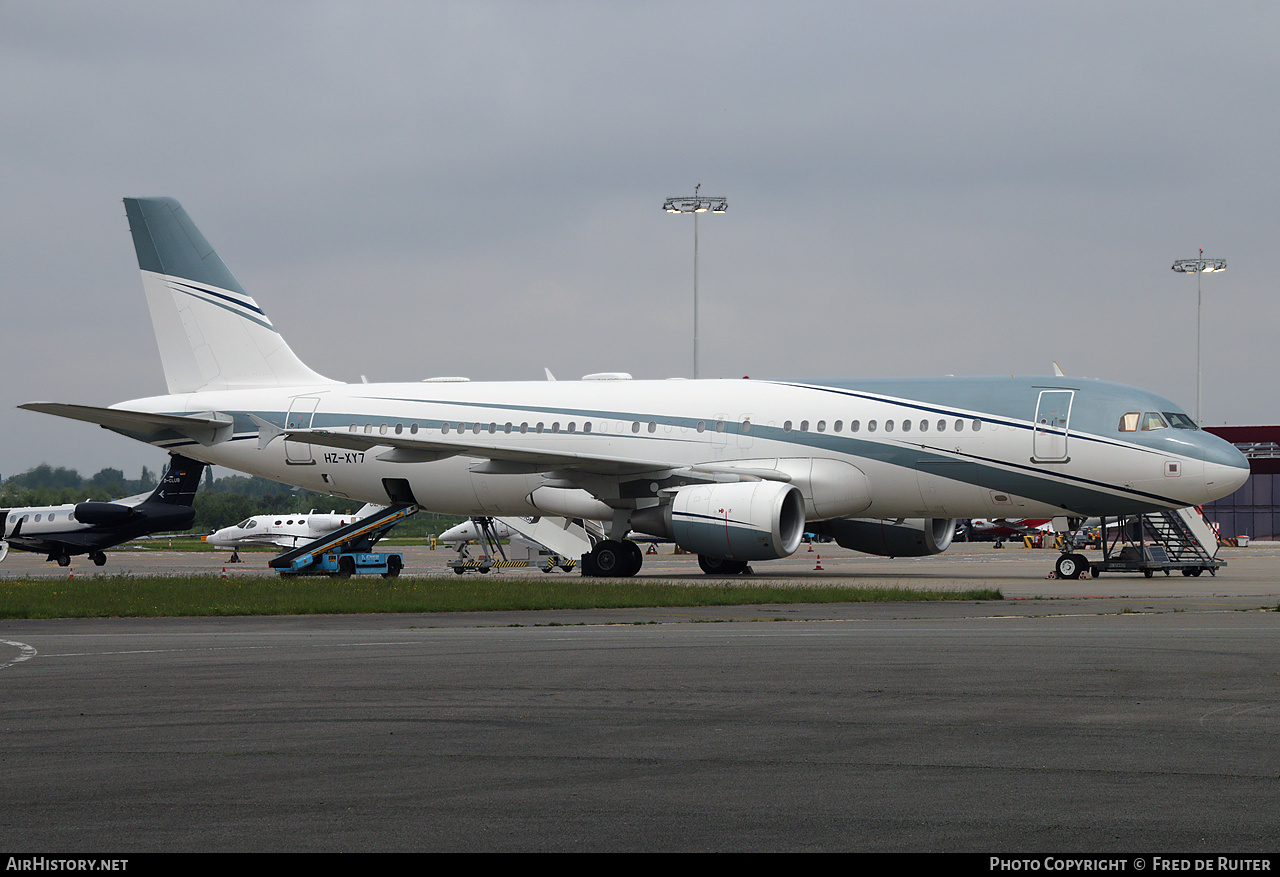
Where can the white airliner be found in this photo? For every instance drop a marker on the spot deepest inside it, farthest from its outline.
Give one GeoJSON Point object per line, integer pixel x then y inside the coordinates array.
{"type": "Point", "coordinates": [733, 470]}
{"type": "Point", "coordinates": [284, 531]}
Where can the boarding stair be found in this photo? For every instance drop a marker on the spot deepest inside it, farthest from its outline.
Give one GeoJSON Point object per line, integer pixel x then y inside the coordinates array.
{"type": "Point", "coordinates": [1160, 542]}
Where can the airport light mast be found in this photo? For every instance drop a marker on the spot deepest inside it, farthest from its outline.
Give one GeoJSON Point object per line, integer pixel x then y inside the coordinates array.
{"type": "Point", "coordinates": [695, 204]}
{"type": "Point", "coordinates": [1198, 267]}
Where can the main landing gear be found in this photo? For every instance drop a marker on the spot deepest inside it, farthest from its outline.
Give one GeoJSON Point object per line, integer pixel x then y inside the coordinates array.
{"type": "Point", "coordinates": [613, 558]}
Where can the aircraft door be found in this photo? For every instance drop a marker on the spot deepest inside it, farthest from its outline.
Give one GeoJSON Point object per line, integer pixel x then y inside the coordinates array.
{"type": "Point", "coordinates": [1049, 434]}
{"type": "Point", "coordinates": [301, 411]}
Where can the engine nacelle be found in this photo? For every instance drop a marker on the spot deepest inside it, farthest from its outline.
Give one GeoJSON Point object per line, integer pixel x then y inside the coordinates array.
{"type": "Point", "coordinates": [896, 537]}
{"type": "Point", "coordinates": [103, 513]}
{"type": "Point", "coordinates": [751, 520]}
{"type": "Point", "coordinates": [570, 503]}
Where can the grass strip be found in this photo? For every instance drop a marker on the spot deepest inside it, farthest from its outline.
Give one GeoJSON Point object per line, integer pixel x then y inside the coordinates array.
{"type": "Point", "coordinates": [156, 596]}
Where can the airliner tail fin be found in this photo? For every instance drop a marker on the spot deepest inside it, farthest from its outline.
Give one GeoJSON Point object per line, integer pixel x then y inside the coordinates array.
{"type": "Point", "coordinates": [212, 334]}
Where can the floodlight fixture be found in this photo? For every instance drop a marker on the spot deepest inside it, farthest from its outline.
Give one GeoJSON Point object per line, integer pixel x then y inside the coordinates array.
{"type": "Point", "coordinates": [695, 204]}
{"type": "Point", "coordinates": [1197, 267]}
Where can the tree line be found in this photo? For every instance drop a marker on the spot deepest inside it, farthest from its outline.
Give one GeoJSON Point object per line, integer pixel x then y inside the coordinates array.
{"type": "Point", "coordinates": [220, 502]}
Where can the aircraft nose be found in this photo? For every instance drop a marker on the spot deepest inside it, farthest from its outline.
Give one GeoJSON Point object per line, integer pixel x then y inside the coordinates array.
{"type": "Point", "coordinates": [1225, 468]}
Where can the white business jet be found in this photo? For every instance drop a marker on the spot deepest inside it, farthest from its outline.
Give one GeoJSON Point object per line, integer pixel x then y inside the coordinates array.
{"type": "Point", "coordinates": [284, 531]}
{"type": "Point", "coordinates": [733, 470]}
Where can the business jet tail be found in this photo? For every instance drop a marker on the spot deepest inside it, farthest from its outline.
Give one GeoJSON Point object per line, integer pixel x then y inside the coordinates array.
{"type": "Point", "coordinates": [212, 334]}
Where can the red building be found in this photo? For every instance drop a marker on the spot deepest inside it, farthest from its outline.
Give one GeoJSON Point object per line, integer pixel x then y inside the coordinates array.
{"type": "Point", "coordinates": [1251, 511]}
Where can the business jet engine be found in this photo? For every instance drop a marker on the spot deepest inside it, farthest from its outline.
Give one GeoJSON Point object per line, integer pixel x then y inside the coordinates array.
{"type": "Point", "coordinates": [104, 513]}
{"type": "Point", "coordinates": [894, 537]}
{"type": "Point", "coordinates": [751, 520]}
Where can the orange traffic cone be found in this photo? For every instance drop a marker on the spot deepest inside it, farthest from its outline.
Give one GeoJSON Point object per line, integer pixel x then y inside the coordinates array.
{"type": "Point", "coordinates": [71, 572]}
{"type": "Point", "coordinates": [818, 568]}
{"type": "Point", "coordinates": [224, 572]}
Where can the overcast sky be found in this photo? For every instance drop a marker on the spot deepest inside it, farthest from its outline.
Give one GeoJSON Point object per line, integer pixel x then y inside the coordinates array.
{"type": "Point", "coordinates": [475, 188]}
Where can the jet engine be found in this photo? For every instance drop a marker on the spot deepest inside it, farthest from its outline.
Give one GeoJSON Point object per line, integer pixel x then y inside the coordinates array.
{"type": "Point", "coordinates": [752, 520]}
{"type": "Point", "coordinates": [895, 537]}
{"type": "Point", "coordinates": [103, 513]}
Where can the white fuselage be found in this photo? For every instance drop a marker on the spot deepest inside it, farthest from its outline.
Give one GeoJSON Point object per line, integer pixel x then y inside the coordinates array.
{"type": "Point", "coordinates": [954, 460]}
{"type": "Point", "coordinates": [282, 531]}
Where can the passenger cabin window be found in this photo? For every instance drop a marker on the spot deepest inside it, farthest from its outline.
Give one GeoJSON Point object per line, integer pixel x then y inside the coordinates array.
{"type": "Point", "coordinates": [1151, 420]}
{"type": "Point", "coordinates": [1129, 421]}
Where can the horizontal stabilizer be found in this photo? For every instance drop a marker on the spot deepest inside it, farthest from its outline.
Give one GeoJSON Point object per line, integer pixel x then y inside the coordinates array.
{"type": "Point", "coordinates": [207, 428]}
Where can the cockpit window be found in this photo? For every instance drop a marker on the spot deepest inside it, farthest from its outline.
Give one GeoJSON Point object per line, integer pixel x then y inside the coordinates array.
{"type": "Point", "coordinates": [1151, 420]}
{"type": "Point", "coordinates": [1179, 421]}
{"type": "Point", "coordinates": [1129, 421]}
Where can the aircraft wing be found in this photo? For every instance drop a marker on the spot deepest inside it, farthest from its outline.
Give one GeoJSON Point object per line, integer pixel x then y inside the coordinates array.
{"type": "Point", "coordinates": [502, 458]}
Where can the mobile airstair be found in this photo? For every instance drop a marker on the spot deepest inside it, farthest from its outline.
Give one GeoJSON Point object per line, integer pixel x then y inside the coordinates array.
{"type": "Point", "coordinates": [1150, 543]}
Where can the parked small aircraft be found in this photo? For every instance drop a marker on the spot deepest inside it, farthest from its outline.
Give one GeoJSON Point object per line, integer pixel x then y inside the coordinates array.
{"type": "Point", "coordinates": [284, 531]}
{"type": "Point", "coordinates": [63, 531]}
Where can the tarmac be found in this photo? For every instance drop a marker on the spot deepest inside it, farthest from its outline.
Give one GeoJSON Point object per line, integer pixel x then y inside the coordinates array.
{"type": "Point", "coordinates": [1120, 714]}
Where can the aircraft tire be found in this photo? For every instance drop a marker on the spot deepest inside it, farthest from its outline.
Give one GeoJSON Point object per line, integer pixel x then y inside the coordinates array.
{"type": "Point", "coordinates": [1071, 566]}
{"type": "Point", "coordinates": [635, 557]}
{"type": "Point", "coordinates": [98, 558]}
{"type": "Point", "coordinates": [63, 560]}
{"type": "Point", "coordinates": [613, 559]}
